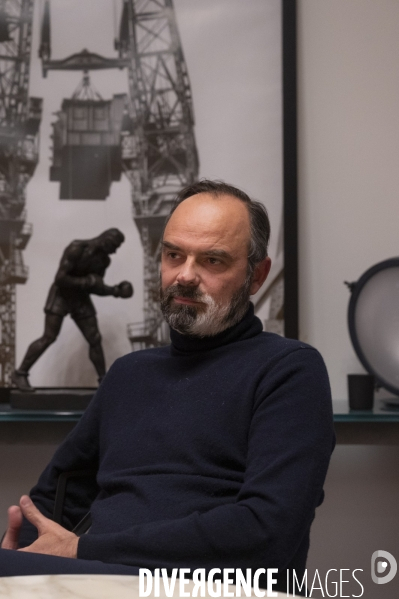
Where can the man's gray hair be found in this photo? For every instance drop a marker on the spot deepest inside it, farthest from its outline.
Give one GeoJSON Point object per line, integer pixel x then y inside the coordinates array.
{"type": "Point", "coordinates": [258, 217]}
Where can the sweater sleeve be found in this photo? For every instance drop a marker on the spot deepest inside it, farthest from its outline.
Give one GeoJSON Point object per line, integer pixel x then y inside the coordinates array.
{"type": "Point", "coordinates": [79, 451]}
{"type": "Point", "coordinates": [290, 442]}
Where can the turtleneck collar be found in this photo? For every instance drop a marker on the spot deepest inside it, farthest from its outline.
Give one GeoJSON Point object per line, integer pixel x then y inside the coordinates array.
{"type": "Point", "coordinates": [248, 327]}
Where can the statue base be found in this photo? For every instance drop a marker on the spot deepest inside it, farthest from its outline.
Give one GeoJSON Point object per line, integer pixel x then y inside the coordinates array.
{"type": "Point", "coordinates": [52, 399]}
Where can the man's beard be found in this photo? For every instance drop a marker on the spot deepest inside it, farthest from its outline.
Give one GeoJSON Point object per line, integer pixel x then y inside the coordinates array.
{"type": "Point", "coordinates": [207, 319]}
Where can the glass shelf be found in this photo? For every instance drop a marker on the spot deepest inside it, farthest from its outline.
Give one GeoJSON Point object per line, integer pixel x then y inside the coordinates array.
{"type": "Point", "coordinates": [10, 415]}
{"type": "Point", "coordinates": [380, 413]}
{"type": "Point", "coordinates": [342, 413]}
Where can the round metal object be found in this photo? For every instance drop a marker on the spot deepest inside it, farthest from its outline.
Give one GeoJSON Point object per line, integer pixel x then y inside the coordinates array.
{"type": "Point", "coordinates": [373, 320]}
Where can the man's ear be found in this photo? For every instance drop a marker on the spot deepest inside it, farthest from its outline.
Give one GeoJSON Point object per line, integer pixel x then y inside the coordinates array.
{"type": "Point", "coordinates": [260, 275]}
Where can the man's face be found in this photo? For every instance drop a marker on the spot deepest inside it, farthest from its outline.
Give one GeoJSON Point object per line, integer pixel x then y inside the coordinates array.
{"type": "Point", "coordinates": [204, 282]}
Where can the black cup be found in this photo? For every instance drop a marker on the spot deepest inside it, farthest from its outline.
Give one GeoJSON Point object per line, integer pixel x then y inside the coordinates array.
{"type": "Point", "coordinates": [361, 391]}
{"type": "Point", "coordinates": [5, 394]}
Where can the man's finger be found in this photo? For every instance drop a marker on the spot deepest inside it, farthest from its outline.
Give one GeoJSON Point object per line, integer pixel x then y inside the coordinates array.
{"type": "Point", "coordinates": [10, 540]}
{"type": "Point", "coordinates": [31, 513]}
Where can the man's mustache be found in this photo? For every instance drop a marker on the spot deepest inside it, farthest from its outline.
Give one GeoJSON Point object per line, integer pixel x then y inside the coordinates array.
{"type": "Point", "coordinates": [182, 291]}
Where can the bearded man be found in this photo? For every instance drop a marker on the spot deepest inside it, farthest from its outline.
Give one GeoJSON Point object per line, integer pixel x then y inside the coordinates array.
{"type": "Point", "coordinates": [211, 452]}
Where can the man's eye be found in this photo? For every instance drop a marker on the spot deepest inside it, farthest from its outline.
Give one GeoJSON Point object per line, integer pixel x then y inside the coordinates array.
{"type": "Point", "coordinates": [173, 255]}
{"type": "Point", "coordinates": [214, 261]}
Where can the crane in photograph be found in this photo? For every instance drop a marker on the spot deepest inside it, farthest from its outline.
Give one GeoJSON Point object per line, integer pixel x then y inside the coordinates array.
{"type": "Point", "coordinates": [20, 117]}
{"type": "Point", "coordinates": [152, 141]}
{"type": "Point", "coordinates": [159, 153]}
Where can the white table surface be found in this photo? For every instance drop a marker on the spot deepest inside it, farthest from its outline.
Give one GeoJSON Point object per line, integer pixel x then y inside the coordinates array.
{"type": "Point", "coordinates": [78, 586]}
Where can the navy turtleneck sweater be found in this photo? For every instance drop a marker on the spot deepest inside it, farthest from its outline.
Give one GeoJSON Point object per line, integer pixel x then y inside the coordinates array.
{"type": "Point", "coordinates": [210, 453]}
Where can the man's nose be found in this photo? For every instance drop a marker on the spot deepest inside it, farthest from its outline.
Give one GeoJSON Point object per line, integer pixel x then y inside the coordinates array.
{"type": "Point", "coordinates": [188, 274]}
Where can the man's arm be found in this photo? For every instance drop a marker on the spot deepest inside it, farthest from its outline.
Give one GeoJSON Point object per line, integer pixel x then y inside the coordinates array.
{"type": "Point", "coordinates": [79, 451]}
{"type": "Point", "coordinates": [290, 443]}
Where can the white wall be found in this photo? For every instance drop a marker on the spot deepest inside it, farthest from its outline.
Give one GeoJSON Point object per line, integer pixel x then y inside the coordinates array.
{"type": "Point", "coordinates": [348, 94]}
{"type": "Point", "coordinates": [348, 162]}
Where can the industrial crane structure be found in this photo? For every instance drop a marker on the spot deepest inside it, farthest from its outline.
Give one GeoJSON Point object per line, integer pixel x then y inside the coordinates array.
{"type": "Point", "coordinates": [151, 141]}
{"type": "Point", "coordinates": [158, 147]}
{"type": "Point", "coordinates": [20, 118]}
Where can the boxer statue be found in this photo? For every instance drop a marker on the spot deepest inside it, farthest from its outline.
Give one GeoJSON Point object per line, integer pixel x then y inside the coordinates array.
{"type": "Point", "coordinates": [81, 271]}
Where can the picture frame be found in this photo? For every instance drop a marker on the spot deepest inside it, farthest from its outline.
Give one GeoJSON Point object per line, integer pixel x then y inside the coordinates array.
{"type": "Point", "coordinates": [290, 160]}
{"type": "Point", "coordinates": [242, 120]}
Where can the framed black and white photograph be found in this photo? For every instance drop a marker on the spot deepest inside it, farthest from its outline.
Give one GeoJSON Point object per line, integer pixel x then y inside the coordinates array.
{"type": "Point", "coordinates": [108, 108]}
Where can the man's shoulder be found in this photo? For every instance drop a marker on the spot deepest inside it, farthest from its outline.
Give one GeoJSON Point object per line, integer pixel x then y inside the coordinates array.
{"type": "Point", "coordinates": [136, 368]}
{"type": "Point", "coordinates": [142, 356]}
{"type": "Point", "coordinates": [273, 344]}
{"type": "Point", "coordinates": [264, 350]}
{"type": "Point", "coordinates": [274, 354]}
{"type": "Point", "coordinates": [270, 344]}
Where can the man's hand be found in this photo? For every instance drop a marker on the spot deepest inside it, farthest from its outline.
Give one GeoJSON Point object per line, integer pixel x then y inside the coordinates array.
{"type": "Point", "coordinates": [10, 540]}
{"type": "Point", "coordinates": [53, 538]}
